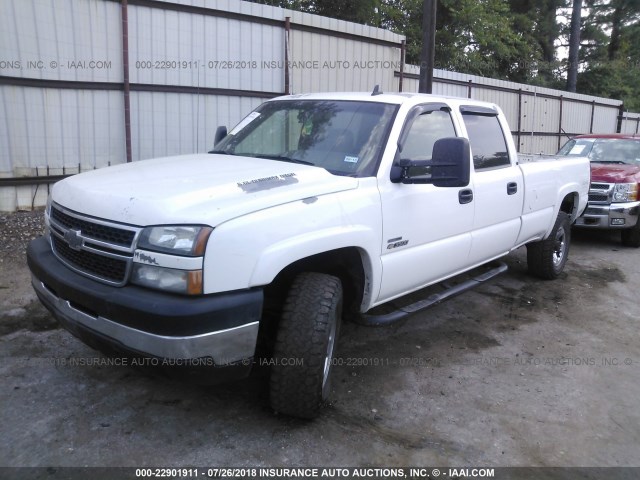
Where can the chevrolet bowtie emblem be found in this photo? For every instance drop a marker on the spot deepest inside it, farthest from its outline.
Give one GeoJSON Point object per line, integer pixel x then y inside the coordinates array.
{"type": "Point", "coordinates": [73, 238]}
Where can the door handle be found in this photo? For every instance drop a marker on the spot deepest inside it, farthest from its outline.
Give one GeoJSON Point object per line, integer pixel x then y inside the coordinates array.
{"type": "Point", "coordinates": [465, 196]}
{"type": "Point", "coordinates": [512, 188]}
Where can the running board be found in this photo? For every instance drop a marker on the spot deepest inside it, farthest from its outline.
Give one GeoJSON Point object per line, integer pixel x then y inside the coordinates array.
{"type": "Point", "coordinates": [403, 312]}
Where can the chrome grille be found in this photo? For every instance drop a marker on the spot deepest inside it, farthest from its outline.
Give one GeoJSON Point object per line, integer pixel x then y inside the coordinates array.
{"type": "Point", "coordinates": [600, 193]}
{"type": "Point", "coordinates": [96, 248]}
{"type": "Point", "coordinates": [98, 266]}
{"type": "Point", "coordinates": [94, 230]}
{"type": "Point", "coordinates": [598, 197]}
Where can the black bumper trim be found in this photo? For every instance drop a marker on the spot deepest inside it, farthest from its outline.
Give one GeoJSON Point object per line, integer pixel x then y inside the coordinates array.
{"type": "Point", "coordinates": [146, 310]}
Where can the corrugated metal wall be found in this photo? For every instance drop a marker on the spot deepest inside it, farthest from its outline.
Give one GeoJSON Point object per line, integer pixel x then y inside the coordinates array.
{"type": "Point", "coordinates": [630, 123]}
{"type": "Point", "coordinates": [193, 65]}
{"type": "Point", "coordinates": [51, 131]}
{"type": "Point", "coordinates": [197, 64]}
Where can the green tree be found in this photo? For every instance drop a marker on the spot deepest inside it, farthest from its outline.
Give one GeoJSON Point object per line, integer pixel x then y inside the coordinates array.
{"type": "Point", "coordinates": [480, 37]}
{"type": "Point", "coordinates": [610, 55]}
{"type": "Point", "coordinates": [484, 37]}
{"type": "Point", "coordinates": [537, 19]}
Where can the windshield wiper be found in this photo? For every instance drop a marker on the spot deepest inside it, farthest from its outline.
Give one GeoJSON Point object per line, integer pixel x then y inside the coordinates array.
{"type": "Point", "coordinates": [619, 162]}
{"type": "Point", "coordinates": [221, 152]}
{"type": "Point", "coordinates": [282, 158]}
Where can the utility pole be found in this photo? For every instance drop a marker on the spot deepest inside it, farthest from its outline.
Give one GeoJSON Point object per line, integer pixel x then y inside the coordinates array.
{"type": "Point", "coordinates": [428, 52]}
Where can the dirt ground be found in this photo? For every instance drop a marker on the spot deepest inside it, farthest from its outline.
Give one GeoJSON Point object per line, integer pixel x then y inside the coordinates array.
{"type": "Point", "coordinates": [518, 372]}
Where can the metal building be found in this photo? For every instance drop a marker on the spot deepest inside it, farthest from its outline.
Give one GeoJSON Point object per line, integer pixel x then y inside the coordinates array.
{"type": "Point", "coordinates": [89, 83]}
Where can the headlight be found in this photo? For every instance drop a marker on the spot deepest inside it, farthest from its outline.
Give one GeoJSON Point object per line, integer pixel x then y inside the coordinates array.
{"type": "Point", "coordinates": [625, 192]}
{"type": "Point", "coordinates": [188, 282]}
{"type": "Point", "coordinates": [175, 239]}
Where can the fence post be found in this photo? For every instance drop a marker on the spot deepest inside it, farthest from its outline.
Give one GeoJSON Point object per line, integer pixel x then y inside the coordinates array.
{"type": "Point", "coordinates": [127, 87]}
{"type": "Point", "coordinates": [519, 118]}
{"type": "Point", "coordinates": [620, 118]}
{"type": "Point", "coordinates": [403, 53]}
{"type": "Point", "coordinates": [560, 123]}
{"type": "Point", "coordinates": [287, 80]}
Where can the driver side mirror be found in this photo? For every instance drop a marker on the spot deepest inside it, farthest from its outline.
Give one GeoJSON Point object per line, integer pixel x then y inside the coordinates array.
{"type": "Point", "coordinates": [450, 165]}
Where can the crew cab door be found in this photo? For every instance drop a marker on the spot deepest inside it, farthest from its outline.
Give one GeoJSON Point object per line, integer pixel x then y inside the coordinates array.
{"type": "Point", "coordinates": [426, 229]}
{"type": "Point", "coordinates": [497, 184]}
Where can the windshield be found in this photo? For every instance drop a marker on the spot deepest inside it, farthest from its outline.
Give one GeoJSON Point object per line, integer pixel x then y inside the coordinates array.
{"type": "Point", "coordinates": [604, 150]}
{"type": "Point", "coordinates": [343, 137]}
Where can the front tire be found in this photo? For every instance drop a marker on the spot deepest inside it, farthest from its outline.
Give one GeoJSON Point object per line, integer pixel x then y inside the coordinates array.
{"type": "Point", "coordinates": [305, 344]}
{"type": "Point", "coordinates": [546, 259]}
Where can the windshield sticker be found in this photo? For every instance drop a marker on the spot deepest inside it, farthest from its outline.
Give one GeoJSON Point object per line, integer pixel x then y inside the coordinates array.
{"type": "Point", "coordinates": [267, 183]}
{"type": "Point", "coordinates": [247, 120]}
{"type": "Point", "coordinates": [350, 159]}
{"type": "Point", "coordinates": [577, 150]}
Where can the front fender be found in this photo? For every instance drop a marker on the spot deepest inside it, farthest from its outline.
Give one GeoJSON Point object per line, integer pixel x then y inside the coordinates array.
{"type": "Point", "coordinates": [251, 250]}
{"type": "Point", "coordinates": [277, 257]}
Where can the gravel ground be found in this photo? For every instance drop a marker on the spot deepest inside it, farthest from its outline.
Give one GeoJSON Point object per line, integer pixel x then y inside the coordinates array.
{"type": "Point", "coordinates": [19, 307]}
{"type": "Point", "coordinates": [518, 372]}
{"type": "Point", "coordinates": [16, 230]}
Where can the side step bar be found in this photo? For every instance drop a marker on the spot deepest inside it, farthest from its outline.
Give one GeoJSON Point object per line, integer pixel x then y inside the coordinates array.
{"type": "Point", "coordinates": [403, 312]}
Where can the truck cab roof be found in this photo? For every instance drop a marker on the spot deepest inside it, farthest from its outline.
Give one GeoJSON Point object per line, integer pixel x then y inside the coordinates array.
{"type": "Point", "coordinates": [392, 98]}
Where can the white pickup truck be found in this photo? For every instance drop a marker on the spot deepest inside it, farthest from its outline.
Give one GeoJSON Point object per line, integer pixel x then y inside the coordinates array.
{"type": "Point", "coordinates": [312, 207]}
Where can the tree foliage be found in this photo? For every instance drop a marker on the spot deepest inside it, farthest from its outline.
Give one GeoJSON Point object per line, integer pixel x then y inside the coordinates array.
{"type": "Point", "coordinates": [610, 53]}
{"type": "Point", "coordinates": [519, 40]}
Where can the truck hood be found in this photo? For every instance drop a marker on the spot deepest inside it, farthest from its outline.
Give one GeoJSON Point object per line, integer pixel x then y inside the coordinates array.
{"type": "Point", "coordinates": [614, 173]}
{"type": "Point", "coordinates": [197, 189]}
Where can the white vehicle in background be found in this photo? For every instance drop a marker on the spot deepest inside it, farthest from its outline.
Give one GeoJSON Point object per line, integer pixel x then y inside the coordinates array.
{"type": "Point", "coordinates": [314, 207]}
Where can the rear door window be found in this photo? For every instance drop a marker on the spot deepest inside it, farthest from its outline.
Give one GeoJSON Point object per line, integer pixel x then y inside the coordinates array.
{"type": "Point", "coordinates": [488, 144]}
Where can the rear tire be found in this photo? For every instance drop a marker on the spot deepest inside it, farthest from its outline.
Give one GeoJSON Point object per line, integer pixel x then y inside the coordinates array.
{"type": "Point", "coordinates": [546, 259]}
{"type": "Point", "coordinates": [305, 344]}
{"type": "Point", "coordinates": [631, 236]}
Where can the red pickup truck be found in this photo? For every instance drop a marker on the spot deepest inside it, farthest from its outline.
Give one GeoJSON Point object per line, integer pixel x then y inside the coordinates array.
{"type": "Point", "coordinates": [615, 178]}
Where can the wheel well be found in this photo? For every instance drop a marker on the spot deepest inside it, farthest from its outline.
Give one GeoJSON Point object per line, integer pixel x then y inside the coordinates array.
{"type": "Point", "coordinates": [569, 205]}
{"type": "Point", "coordinates": [344, 263]}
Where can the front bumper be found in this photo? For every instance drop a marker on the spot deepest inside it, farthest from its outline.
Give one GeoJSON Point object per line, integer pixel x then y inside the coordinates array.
{"type": "Point", "coordinates": [615, 215]}
{"type": "Point", "coordinates": [142, 322]}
